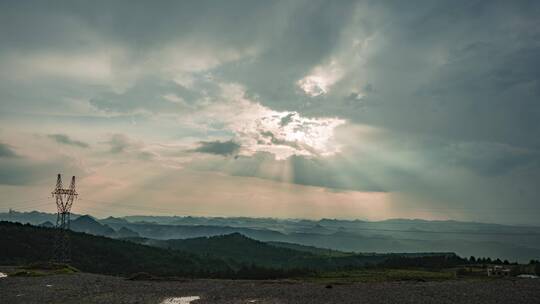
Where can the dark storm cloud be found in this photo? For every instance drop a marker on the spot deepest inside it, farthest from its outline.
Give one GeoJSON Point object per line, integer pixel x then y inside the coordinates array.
{"type": "Point", "coordinates": [489, 159]}
{"type": "Point", "coordinates": [133, 23]}
{"type": "Point", "coordinates": [460, 70]}
{"type": "Point", "coordinates": [308, 36]}
{"type": "Point", "coordinates": [289, 38]}
{"type": "Point", "coordinates": [66, 140]}
{"type": "Point", "coordinates": [434, 64]}
{"type": "Point", "coordinates": [217, 147]}
{"type": "Point", "coordinates": [6, 151]}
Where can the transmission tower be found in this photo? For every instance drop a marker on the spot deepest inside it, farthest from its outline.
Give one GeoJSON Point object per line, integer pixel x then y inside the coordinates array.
{"type": "Point", "coordinates": [64, 201]}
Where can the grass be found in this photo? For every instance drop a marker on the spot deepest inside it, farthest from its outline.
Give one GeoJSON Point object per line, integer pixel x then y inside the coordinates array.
{"type": "Point", "coordinates": [382, 275]}
{"type": "Point", "coordinates": [43, 269]}
{"type": "Point", "coordinates": [26, 273]}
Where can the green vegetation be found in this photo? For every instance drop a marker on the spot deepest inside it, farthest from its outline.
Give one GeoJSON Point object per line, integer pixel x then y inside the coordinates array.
{"type": "Point", "coordinates": [427, 262]}
{"type": "Point", "coordinates": [228, 256]}
{"type": "Point", "coordinates": [27, 273]}
{"type": "Point", "coordinates": [312, 249]}
{"type": "Point", "coordinates": [42, 269]}
{"type": "Point", "coordinates": [239, 251]}
{"type": "Point", "coordinates": [24, 244]}
{"type": "Point", "coordinates": [380, 275]}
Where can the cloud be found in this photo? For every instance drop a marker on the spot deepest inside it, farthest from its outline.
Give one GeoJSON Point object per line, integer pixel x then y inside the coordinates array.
{"type": "Point", "coordinates": [129, 149]}
{"type": "Point", "coordinates": [66, 140]}
{"type": "Point", "coordinates": [119, 143]}
{"type": "Point", "coordinates": [148, 94]}
{"type": "Point", "coordinates": [489, 159]}
{"type": "Point", "coordinates": [26, 171]}
{"type": "Point", "coordinates": [319, 81]}
{"type": "Point", "coordinates": [285, 120]}
{"type": "Point", "coordinates": [217, 147]}
{"type": "Point", "coordinates": [282, 80]}
{"type": "Point", "coordinates": [6, 151]}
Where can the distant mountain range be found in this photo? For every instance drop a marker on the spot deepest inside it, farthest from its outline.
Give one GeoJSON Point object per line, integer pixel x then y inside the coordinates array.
{"type": "Point", "coordinates": [515, 243]}
{"type": "Point", "coordinates": [79, 223]}
{"type": "Point", "coordinates": [88, 224]}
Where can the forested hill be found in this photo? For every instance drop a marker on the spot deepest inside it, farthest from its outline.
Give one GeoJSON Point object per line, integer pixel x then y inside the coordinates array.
{"type": "Point", "coordinates": [226, 256]}
{"type": "Point", "coordinates": [23, 244]}
{"type": "Point", "coordinates": [237, 249]}
{"type": "Point", "coordinates": [232, 256]}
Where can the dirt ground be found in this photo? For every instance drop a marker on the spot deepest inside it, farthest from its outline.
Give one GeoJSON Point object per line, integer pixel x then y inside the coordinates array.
{"type": "Point", "coordinates": [91, 288]}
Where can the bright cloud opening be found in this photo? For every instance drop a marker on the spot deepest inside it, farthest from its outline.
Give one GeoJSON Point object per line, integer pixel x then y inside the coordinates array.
{"type": "Point", "coordinates": [321, 78]}
{"type": "Point", "coordinates": [258, 128]}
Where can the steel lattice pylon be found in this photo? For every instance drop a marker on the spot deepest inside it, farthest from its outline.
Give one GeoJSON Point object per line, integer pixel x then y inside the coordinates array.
{"type": "Point", "coordinates": [64, 201]}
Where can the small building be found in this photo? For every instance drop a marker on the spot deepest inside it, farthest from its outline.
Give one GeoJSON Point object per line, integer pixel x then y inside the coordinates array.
{"type": "Point", "coordinates": [498, 271]}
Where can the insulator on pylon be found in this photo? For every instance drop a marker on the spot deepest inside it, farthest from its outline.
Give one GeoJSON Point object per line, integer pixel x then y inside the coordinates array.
{"type": "Point", "coordinates": [72, 186]}
{"type": "Point", "coordinates": [59, 181]}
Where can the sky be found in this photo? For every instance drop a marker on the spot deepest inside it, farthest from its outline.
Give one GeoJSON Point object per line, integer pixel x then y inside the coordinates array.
{"type": "Point", "coordinates": [291, 109]}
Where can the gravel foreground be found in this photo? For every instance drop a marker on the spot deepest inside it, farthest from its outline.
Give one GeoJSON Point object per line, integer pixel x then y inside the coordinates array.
{"type": "Point", "coordinates": [92, 288]}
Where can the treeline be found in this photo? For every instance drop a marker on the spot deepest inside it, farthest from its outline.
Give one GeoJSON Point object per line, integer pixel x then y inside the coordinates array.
{"type": "Point", "coordinates": [486, 261]}
{"type": "Point", "coordinates": [431, 262]}
{"type": "Point", "coordinates": [440, 262]}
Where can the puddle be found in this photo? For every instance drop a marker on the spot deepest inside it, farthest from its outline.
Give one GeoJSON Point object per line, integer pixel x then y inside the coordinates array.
{"type": "Point", "coordinates": [3, 275]}
{"type": "Point", "coordinates": [180, 300]}
{"type": "Point", "coordinates": [527, 276]}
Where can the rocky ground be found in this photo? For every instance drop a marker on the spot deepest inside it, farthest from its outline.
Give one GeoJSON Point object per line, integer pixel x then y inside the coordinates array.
{"type": "Point", "coordinates": [91, 288]}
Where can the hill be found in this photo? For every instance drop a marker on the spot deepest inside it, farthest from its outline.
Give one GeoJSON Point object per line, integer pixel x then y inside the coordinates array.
{"type": "Point", "coordinates": [239, 250]}
{"type": "Point", "coordinates": [23, 244]}
{"type": "Point", "coordinates": [311, 249]}
{"type": "Point", "coordinates": [87, 224]}
{"type": "Point", "coordinates": [229, 256]}
{"type": "Point", "coordinates": [515, 243]}
{"type": "Point", "coordinates": [32, 217]}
